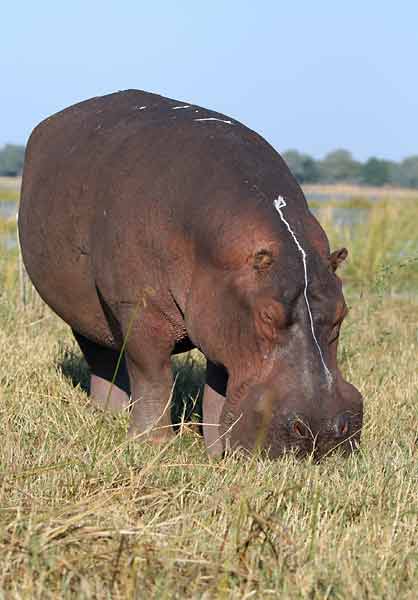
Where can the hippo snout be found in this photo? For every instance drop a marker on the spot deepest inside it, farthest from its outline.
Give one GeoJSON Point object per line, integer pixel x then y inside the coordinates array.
{"type": "Point", "coordinates": [345, 425]}
{"type": "Point", "coordinates": [342, 433]}
{"type": "Point", "coordinates": [339, 427]}
{"type": "Point", "coordinates": [266, 423]}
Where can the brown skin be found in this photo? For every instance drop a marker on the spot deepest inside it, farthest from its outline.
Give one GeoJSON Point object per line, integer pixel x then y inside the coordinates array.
{"type": "Point", "coordinates": [152, 226]}
{"type": "Point", "coordinates": [213, 404]}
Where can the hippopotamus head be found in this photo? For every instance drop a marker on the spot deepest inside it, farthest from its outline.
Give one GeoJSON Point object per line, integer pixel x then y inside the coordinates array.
{"type": "Point", "coordinates": [289, 394]}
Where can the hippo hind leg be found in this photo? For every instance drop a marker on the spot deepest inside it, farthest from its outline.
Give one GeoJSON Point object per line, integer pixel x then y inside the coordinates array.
{"type": "Point", "coordinates": [103, 363]}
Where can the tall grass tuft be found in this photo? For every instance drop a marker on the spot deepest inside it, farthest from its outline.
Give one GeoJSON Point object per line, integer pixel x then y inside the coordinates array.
{"type": "Point", "coordinates": [382, 247]}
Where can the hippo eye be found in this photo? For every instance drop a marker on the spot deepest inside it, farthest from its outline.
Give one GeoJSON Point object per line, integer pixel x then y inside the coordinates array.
{"type": "Point", "coordinates": [267, 316]}
{"type": "Point", "coordinates": [263, 259]}
{"type": "Point", "coordinates": [299, 429]}
{"type": "Point", "coordinates": [335, 333]}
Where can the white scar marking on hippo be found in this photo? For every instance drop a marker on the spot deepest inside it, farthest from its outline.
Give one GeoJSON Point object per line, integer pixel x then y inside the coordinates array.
{"type": "Point", "coordinates": [179, 107]}
{"type": "Point", "coordinates": [140, 107]}
{"type": "Point", "coordinates": [214, 119]}
{"type": "Point", "coordinates": [280, 203]}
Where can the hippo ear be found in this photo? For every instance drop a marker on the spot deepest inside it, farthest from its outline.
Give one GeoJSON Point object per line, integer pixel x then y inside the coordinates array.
{"type": "Point", "coordinates": [262, 260]}
{"type": "Point", "coordinates": [337, 257]}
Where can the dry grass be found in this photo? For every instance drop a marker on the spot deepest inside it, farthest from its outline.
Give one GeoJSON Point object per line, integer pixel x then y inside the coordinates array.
{"type": "Point", "coordinates": [85, 514]}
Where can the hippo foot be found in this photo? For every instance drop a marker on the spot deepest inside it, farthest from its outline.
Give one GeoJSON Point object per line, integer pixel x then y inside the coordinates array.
{"type": "Point", "coordinates": [104, 398]}
{"type": "Point", "coordinates": [155, 437]}
{"type": "Point", "coordinates": [213, 404]}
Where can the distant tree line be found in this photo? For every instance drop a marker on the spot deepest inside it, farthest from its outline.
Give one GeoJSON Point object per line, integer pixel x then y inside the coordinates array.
{"type": "Point", "coordinates": [339, 166]}
{"type": "Point", "coordinates": [11, 160]}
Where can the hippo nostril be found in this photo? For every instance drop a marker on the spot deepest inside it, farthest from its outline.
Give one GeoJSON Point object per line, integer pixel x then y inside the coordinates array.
{"type": "Point", "coordinates": [299, 429]}
{"type": "Point", "coordinates": [342, 425]}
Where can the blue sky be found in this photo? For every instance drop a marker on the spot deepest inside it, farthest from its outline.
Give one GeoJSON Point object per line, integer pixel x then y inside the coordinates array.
{"type": "Point", "coordinates": [311, 75]}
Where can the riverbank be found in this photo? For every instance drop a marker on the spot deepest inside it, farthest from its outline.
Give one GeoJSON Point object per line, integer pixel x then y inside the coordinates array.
{"type": "Point", "coordinates": [347, 191]}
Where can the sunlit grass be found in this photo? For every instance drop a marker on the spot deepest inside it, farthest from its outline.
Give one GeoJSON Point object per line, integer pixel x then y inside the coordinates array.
{"type": "Point", "coordinates": [9, 195]}
{"type": "Point", "coordinates": [10, 188]}
{"type": "Point", "coordinates": [86, 514]}
{"type": "Point", "coordinates": [354, 202]}
{"type": "Point", "coordinates": [7, 226]}
{"type": "Point", "coordinates": [385, 241]}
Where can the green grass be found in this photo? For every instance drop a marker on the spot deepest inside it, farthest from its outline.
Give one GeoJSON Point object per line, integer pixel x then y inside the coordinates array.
{"type": "Point", "coordinates": [348, 190]}
{"type": "Point", "coordinates": [385, 242]}
{"type": "Point", "coordinates": [9, 195]}
{"type": "Point", "coordinates": [7, 226]}
{"type": "Point", "coordinates": [86, 514]}
{"type": "Point", "coordinates": [10, 188]}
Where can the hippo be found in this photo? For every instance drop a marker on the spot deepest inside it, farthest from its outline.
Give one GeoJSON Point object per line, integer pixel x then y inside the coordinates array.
{"type": "Point", "coordinates": [153, 226]}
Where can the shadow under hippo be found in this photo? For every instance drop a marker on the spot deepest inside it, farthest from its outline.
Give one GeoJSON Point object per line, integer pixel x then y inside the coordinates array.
{"type": "Point", "coordinates": [187, 393]}
{"type": "Point", "coordinates": [157, 226]}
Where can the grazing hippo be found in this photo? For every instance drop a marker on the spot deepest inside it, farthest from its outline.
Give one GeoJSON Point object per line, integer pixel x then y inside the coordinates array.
{"type": "Point", "coordinates": [171, 227]}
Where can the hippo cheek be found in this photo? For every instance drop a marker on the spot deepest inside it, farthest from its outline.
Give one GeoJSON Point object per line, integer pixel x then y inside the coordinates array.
{"type": "Point", "coordinates": [243, 427]}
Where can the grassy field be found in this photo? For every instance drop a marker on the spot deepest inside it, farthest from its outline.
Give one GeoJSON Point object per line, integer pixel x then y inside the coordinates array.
{"type": "Point", "coordinates": [86, 514]}
{"type": "Point", "coordinates": [10, 188]}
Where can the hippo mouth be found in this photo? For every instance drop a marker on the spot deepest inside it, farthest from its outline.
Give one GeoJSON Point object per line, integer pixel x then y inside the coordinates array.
{"type": "Point", "coordinates": [293, 433]}
{"type": "Point", "coordinates": [318, 447]}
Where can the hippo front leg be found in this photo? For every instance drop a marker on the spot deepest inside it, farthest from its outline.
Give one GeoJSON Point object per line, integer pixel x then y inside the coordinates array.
{"type": "Point", "coordinates": [148, 358]}
{"type": "Point", "coordinates": [151, 402]}
{"type": "Point", "coordinates": [213, 403]}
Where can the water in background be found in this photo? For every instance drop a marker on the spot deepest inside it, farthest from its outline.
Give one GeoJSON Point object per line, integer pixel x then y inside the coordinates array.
{"type": "Point", "coordinates": [8, 211]}
{"type": "Point", "coordinates": [344, 216]}
{"type": "Point", "coordinates": [326, 196]}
